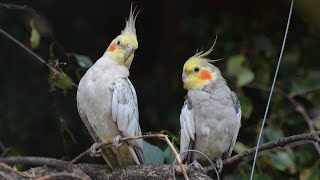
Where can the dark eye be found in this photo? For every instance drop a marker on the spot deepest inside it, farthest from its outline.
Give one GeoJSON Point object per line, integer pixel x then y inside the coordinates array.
{"type": "Point", "coordinates": [196, 69]}
{"type": "Point", "coordinates": [118, 43]}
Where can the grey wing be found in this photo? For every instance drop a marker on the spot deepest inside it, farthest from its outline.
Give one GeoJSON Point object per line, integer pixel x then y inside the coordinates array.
{"type": "Point", "coordinates": [125, 113]}
{"type": "Point", "coordinates": [237, 107]}
{"type": "Point", "coordinates": [187, 133]}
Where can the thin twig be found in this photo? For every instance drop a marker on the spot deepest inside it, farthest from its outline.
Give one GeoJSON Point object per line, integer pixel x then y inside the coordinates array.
{"type": "Point", "coordinates": [80, 156]}
{"type": "Point", "coordinates": [62, 174]}
{"type": "Point", "coordinates": [64, 127]}
{"type": "Point", "coordinates": [158, 136]}
{"type": "Point", "coordinates": [33, 54]}
{"type": "Point", "coordinates": [176, 155]}
{"type": "Point", "coordinates": [306, 91]}
{"type": "Point", "coordinates": [282, 142]}
{"type": "Point", "coordinates": [297, 106]}
{"type": "Point", "coordinates": [302, 111]}
{"type": "Point", "coordinates": [307, 137]}
{"type": "Point", "coordinates": [44, 161]}
{"type": "Point", "coordinates": [17, 7]}
{"type": "Point", "coordinates": [9, 168]}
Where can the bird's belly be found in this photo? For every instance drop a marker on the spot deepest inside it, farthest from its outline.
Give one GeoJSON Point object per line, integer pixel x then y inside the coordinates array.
{"type": "Point", "coordinates": [213, 139]}
{"type": "Point", "coordinates": [213, 147]}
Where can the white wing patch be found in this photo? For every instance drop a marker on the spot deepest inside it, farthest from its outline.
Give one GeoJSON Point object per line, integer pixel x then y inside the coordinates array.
{"type": "Point", "coordinates": [125, 110]}
{"type": "Point", "coordinates": [187, 132]}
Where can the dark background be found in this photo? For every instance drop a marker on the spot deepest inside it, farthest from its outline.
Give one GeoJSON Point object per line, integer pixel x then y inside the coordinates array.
{"type": "Point", "coordinates": [38, 115]}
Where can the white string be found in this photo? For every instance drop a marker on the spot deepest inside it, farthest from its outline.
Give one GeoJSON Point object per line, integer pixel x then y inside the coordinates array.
{"type": "Point", "coordinates": [192, 150]}
{"type": "Point", "coordinates": [270, 95]}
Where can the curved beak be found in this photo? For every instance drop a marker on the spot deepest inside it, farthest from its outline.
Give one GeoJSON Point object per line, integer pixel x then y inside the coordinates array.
{"type": "Point", "coordinates": [128, 51]}
{"type": "Point", "coordinates": [184, 76]}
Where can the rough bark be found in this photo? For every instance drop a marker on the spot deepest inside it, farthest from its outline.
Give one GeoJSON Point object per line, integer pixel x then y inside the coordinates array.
{"type": "Point", "coordinates": [102, 172]}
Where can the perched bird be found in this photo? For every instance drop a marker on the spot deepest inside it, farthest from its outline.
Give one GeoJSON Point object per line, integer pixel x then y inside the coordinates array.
{"type": "Point", "coordinates": [211, 114]}
{"type": "Point", "coordinates": [107, 101]}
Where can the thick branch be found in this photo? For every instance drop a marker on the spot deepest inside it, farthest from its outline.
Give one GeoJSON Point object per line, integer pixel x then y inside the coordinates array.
{"type": "Point", "coordinates": [158, 136]}
{"type": "Point", "coordinates": [56, 175]}
{"type": "Point", "coordinates": [151, 171]}
{"type": "Point", "coordinates": [39, 161]}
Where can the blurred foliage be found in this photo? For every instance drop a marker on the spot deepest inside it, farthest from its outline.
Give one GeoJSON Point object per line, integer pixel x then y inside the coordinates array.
{"type": "Point", "coordinates": [38, 109]}
{"type": "Point", "coordinates": [153, 154]}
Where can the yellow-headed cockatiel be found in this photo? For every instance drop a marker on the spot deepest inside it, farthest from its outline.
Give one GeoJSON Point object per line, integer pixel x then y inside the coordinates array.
{"type": "Point", "coordinates": [211, 114]}
{"type": "Point", "coordinates": [107, 101]}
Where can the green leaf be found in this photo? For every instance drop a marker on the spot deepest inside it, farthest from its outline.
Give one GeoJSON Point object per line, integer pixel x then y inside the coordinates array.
{"type": "Point", "coordinates": [245, 76]}
{"type": "Point", "coordinates": [272, 133]}
{"type": "Point", "coordinates": [314, 172]}
{"type": "Point", "coordinates": [168, 154]}
{"type": "Point", "coordinates": [60, 81]}
{"type": "Point", "coordinates": [234, 65]}
{"type": "Point", "coordinates": [317, 124]}
{"type": "Point", "coordinates": [35, 36]}
{"type": "Point", "coordinates": [236, 69]}
{"type": "Point", "coordinates": [246, 106]}
{"type": "Point", "coordinates": [282, 161]}
{"type": "Point", "coordinates": [239, 147]}
{"type": "Point", "coordinates": [152, 154]}
{"type": "Point", "coordinates": [10, 151]}
{"type": "Point", "coordinates": [83, 61]}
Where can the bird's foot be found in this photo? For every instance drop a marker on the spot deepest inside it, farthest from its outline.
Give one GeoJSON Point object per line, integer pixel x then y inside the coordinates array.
{"type": "Point", "coordinates": [219, 165]}
{"type": "Point", "coordinates": [197, 166]}
{"type": "Point", "coordinates": [95, 151]}
{"type": "Point", "coordinates": [116, 141]}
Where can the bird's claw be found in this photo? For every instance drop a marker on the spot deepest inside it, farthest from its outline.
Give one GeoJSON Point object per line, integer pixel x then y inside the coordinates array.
{"type": "Point", "coordinates": [95, 151]}
{"type": "Point", "coordinates": [219, 165]}
{"type": "Point", "coordinates": [117, 141]}
{"type": "Point", "coordinates": [197, 166]}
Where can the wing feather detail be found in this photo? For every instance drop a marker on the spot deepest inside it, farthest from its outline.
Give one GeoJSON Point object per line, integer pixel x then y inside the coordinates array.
{"type": "Point", "coordinates": [125, 113]}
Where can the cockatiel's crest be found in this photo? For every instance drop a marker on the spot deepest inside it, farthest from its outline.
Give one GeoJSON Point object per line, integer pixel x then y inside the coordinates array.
{"type": "Point", "coordinates": [198, 70]}
{"type": "Point", "coordinates": [130, 29]}
{"type": "Point", "coordinates": [123, 47]}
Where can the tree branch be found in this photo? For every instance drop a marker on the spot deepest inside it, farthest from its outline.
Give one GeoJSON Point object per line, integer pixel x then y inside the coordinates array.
{"type": "Point", "coordinates": [63, 174]}
{"type": "Point", "coordinates": [158, 136]}
{"type": "Point", "coordinates": [5, 176]}
{"type": "Point", "coordinates": [302, 111]}
{"type": "Point", "coordinates": [297, 106]}
{"type": "Point", "coordinates": [17, 7]}
{"type": "Point", "coordinates": [32, 54]}
{"type": "Point", "coordinates": [9, 168]}
{"type": "Point", "coordinates": [152, 171]}
{"type": "Point", "coordinates": [313, 136]}
{"type": "Point", "coordinates": [36, 161]}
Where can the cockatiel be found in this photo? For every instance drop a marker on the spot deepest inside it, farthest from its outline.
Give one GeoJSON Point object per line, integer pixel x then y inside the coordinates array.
{"type": "Point", "coordinates": [107, 101]}
{"type": "Point", "coordinates": [211, 114]}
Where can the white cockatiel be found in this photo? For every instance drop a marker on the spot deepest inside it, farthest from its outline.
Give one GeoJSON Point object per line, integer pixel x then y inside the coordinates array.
{"type": "Point", "coordinates": [107, 101]}
{"type": "Point", "coordinates": [211, 114]}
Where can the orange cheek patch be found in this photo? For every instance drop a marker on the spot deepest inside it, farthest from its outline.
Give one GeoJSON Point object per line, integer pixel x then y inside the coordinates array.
{"type": "Point", "coordinates": [112, 47]}
{"type": "Point", "coordinates": [205, 75]}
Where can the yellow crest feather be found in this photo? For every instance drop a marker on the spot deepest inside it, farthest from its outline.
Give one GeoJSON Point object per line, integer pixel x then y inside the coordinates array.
{"type": "Point", "coordinates": [202, 56]}
{"type": "Point", "coordinates": [130, 28]}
